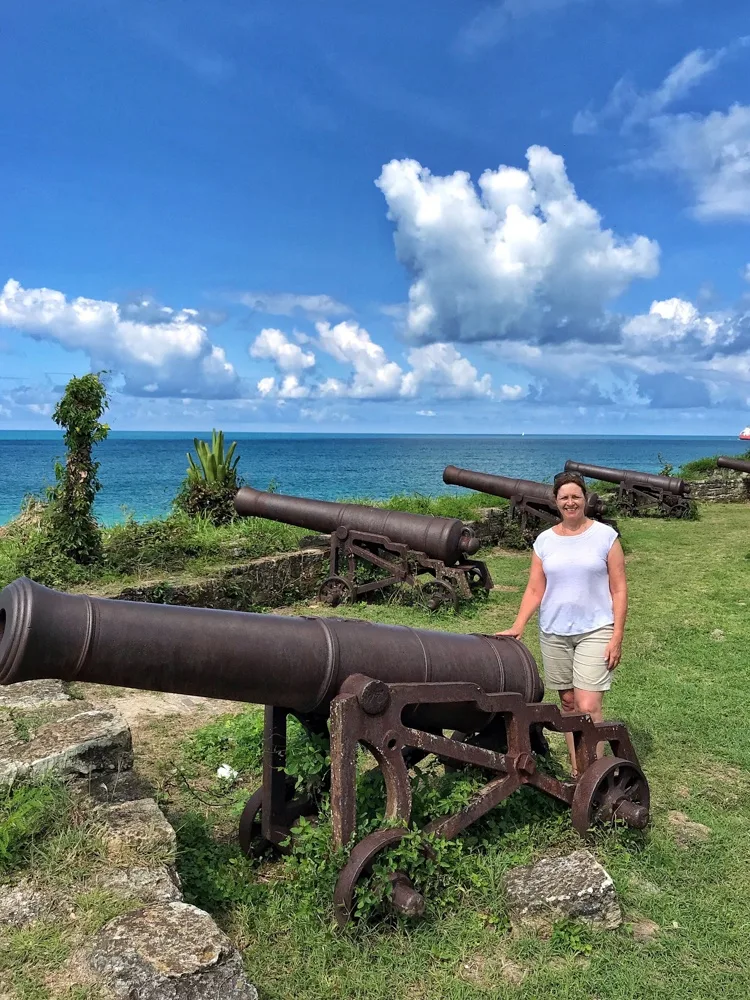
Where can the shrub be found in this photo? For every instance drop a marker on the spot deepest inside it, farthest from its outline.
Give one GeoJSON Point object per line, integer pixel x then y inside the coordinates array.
{"type": "Point", "coordinates": [211, 483]}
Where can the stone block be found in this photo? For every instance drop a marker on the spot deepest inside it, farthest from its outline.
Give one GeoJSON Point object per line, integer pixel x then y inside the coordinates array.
{"type": "Point", "coordinates": [172, 951]}
{"type": "Point", "coordinates": [33, 694]}
{"type": "Point", "coordinates": [137, 828]}
{"type": "Point", "coordinates": [79, 746]}
{"type": "Point", "coordinates": [573, 887]}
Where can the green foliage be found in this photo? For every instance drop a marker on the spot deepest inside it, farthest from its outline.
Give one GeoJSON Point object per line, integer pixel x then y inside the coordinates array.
{"type": "Point", "coordinates": [214, 465]}
{"type": "Point", "coordinates": [214, 875]}
{"type": "Point", "coordinates": [211, 483]}
{"type": "Point", "coordinates": [27, 812]}
{"type": "Point", "coordinates": [69, 523]}
{"type": "Point", "coordinates": [464, 506]}
{"type": "Point", "coordinates": [667, 469]}
{"type": "Point", "coordinates": [702, 467]}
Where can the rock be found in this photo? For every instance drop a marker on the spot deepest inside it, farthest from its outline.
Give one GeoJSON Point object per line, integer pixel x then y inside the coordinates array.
{"type": "Point", "coordinates": [718, 635]}
{"type": "Point", "coordinates": [573, 887]}
{"type": "Point", "coordinates": [687, 831]}
{"type": "Point", "coordinates": [82, 745]}
{"type": "Point", "coordinates": [32, 694]}
{"type": "Point", "coordinates": [172, 951]}
{"type": "Point", "coordinates": [138, 827]}
{"type": "Point", "coordinates": [25, 903]}
{"type": "Point", "coordinates": [644, 930]}
{"type": "Point", "coordinates": [148, 885]}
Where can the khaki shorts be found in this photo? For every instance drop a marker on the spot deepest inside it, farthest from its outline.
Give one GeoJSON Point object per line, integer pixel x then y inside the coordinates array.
{"type": "Point", "coordinates": [576, 661]}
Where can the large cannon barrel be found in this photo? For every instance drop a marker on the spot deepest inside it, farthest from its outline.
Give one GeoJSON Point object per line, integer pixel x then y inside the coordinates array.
{"type": "Point", "coordinates": [445, 538]}
{"type": "Point", "coordinates": [738, 464]}
{"type": "Point", "coordinates": [670, 484]}
{"type": "Point", "coordinates": [504, 486]}
{"type": "Point", "coordinates": [293, 663]}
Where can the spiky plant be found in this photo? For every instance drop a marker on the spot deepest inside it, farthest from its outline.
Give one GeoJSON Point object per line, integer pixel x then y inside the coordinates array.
{"type": "Point", "coordinates": [211, 482]}
{"type": "Point", "coordinates": [215, 466]}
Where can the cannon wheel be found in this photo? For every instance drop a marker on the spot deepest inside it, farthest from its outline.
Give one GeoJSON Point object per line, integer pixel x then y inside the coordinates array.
{"type": "Point", "coordinates": [336, 590]}
{"type": "Point", "coordinates": [436, 594]}
{"type": "Point", "coordinates": [475, 581]}
{"type": "Point", "coordinates": [252, 842]}
{"type": "Point", "coordinates": [609, 790]}
{"type": "Point", "coordinates": [360, 865]}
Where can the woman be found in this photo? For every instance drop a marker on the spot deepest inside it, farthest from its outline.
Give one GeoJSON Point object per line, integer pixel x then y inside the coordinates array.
{"type": "Point", "coordinates": [578, 577]}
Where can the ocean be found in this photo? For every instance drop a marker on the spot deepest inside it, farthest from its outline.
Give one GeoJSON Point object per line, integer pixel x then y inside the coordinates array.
{"type": "Point", "coordinates": [141, 472]}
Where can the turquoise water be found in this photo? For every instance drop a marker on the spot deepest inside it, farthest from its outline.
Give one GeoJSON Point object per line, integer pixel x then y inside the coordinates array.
{"type": "Point", "coordinates": [141, 472]}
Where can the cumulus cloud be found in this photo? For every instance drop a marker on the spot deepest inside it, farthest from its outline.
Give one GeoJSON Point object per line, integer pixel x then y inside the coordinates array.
{"type": "Point", "coordinates": [288, 387]}
{"type": "Point", "coordinates": [374, 376]}
{"type": "Point", "coordinates": [174, 357]}
{"type": "Point", "coordinates": [523, 257]}
{"type": "Point", "coordinates": [291, 304]}
{"type": "Point", "coordinates": [443, 372]}
{"type": "Point", "coordinates": [275, 346]}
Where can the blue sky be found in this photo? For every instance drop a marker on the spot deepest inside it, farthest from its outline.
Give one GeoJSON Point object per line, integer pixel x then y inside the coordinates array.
{"type": "Point", "coordinates": [526, 215]}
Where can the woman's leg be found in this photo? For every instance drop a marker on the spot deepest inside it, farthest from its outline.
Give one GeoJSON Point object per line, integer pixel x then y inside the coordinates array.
{"type": "Point", "coordinates": [557, 657]}
{"type": "Point", "coordinates": [591, 678]}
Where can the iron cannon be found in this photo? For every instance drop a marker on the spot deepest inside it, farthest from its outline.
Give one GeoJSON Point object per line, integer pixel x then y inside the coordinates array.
{"type": "Point", "coordinates": [387, 688]}
{"type": "Point", "coordinates": [528, 499]}
{"type": "Point", "coordinates": [429, 553]}
{"type": "Point", "coordinates": [738, 464]}
{"type": "Point", "coordinates": [639, 490]}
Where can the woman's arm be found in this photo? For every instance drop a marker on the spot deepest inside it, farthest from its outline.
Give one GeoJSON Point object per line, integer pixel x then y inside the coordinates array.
{"type": "Point", "coordinates": [531, 599]}
{"type": "Point", "coordinates": [618, 588]}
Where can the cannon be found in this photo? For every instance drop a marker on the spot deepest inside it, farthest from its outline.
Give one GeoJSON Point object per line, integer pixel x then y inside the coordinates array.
{"type": "Point", "coordinates": [431, 554]}
{"type": "Point", "coordinates": [638, 491]}
{"type": "Point", "coordinates": [390, 689]}
{"type": "Point", "coordinates": [738, 464]}
{"type": "Point", "coordinates": [529, 500]}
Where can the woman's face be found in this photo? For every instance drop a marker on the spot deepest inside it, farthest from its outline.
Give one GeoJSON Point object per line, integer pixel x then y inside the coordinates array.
{"type": "Point", "coordinates": [571, 502]}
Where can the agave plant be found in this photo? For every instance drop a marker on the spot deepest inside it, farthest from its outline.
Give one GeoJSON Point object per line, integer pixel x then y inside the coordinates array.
{"type": "Point", "coordinates": [215, 466]}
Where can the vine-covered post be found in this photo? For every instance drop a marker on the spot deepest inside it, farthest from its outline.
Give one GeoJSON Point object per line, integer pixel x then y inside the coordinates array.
{"type": "Point", "coordinates": [71, 522]}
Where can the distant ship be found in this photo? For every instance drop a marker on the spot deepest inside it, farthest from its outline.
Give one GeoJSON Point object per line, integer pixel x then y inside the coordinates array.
{"type": "Point", "coordinates": [745, 435]}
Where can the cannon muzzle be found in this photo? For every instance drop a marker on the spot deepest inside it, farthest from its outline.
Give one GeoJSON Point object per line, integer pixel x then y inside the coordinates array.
{"type": "Point", "coordinates": [293, 663]}
{"type": "Point", "coordinates": [649, 480]}
{"type": "Point", "coordinates": [445, 538]}
{"type": "Point", "coordinates": [738, 464]}
{"type": "Point", "coordinates": [504, 486]}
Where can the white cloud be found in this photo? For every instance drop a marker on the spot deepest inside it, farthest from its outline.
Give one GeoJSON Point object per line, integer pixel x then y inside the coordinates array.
{"type": "Point", "coordinates": [288, 387]}
{"type": "Point", "coordinates": [625, 103]}
{"type": "Point", "coordinates": [290, 304]}
{"type": "Point", "coordinates": [440, 370]}
{"type": "Point", "coordinates": [512, 392]}
{"type": "Point", "coordinates": [523, 258]}
{"type": "Point", "coordinates": [375, 377]}
{"type": "Point", "coordinates": [275, 346]}
{"type": "Point", "coordinates": [426, 413]}
{"type": "Point", "coordinates": [174, 357]}
{"type": "Point", "coordinates": [712, 154]}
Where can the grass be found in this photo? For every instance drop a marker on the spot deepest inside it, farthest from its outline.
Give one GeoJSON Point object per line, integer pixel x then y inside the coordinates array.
{"type": "Point", "coordinates": [682, 690]}
{"type": "Point", "coordinates": [702, 467]}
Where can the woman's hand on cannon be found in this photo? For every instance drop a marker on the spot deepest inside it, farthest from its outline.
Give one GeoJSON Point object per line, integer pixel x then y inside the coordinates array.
{"type": "Point", "coordinates": [613, 653]}
{"type": "Point", "coordinates": [515, 630]}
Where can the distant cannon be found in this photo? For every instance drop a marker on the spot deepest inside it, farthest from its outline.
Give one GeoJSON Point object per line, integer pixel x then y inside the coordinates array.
{"type": "Point", "coordinates": [388, 688]}
{"type": "Point", "coordinates": [528, 499]}
{"type": "Point", "coordinates": [738, 464]}
{"type": "Point", "coordinates": [640, 490]}
{"type": "Point", "coordinates": [400, 546]}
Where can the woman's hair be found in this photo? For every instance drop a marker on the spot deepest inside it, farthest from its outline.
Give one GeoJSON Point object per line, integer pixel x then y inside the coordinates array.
{"type": "Point", "coordinates": [565, 478]}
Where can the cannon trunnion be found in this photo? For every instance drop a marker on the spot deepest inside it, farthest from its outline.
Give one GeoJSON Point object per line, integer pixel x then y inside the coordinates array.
{"type": "Point", "coordinates": [639, 490]}
{"type": "Point", "coordinates": [528, 499]}
{"type": "Point", "coordinates": [392, 689]}
{"type": "Point", "coordinates": [428, 553]}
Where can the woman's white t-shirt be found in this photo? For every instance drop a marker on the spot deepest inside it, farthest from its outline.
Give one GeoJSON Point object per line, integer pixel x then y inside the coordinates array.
{"type": "Point", "coordinates": [577, 598]}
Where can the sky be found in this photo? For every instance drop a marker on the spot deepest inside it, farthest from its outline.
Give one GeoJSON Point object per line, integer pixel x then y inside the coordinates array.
{"type": "Point", "coordinates": [272, 215]}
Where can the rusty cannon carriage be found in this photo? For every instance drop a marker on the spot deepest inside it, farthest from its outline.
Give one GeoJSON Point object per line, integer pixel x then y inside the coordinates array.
{"type": "Point", "coordinates": [737, 464]}
{"type": "Point", "coordinates": [431, 554]}
{"type": "Point", "coordinates": [390, 689]}
{"type": "Point", "coordinates": [529, 501]}
{"type": "Point", "coordinates": [638, 491]}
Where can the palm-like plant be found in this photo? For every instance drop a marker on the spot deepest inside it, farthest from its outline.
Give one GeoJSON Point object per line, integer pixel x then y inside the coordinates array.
{"type": "Point", "coordinates": [215, 466]}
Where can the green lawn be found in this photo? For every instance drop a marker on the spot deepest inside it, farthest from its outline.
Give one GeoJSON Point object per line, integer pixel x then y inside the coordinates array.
{"type": "Point", "coordinates": [682, 690]}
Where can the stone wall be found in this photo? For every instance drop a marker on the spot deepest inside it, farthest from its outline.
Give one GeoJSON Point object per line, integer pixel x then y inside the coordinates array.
{"type": "Point", "coordinates": [271, 581]}
{"type": "Point", "coordinates": [723, 486]}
